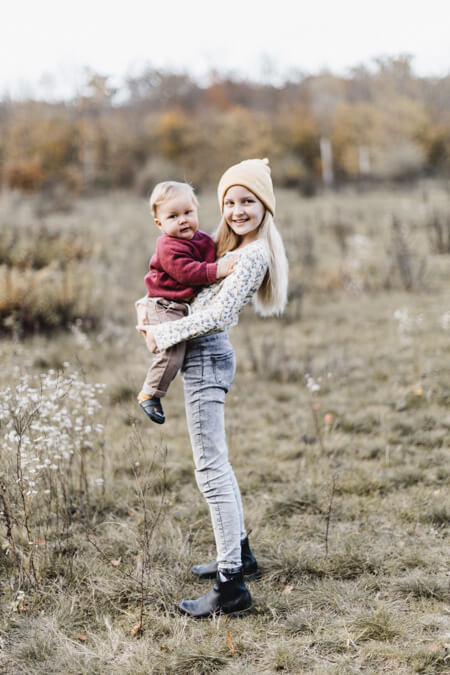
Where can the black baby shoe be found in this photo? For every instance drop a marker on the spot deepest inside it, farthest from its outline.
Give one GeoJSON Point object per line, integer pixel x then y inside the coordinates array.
{"type": "Point", "coordinates": [153, 409]}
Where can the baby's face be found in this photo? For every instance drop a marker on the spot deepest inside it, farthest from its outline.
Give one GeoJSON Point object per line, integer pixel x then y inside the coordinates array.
{"type": "Point", "coordinates": [178, 217]}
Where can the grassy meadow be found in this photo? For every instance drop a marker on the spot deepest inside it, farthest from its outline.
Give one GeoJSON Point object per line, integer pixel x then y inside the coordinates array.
{"type": "Point", "coordinates": [338, 426]}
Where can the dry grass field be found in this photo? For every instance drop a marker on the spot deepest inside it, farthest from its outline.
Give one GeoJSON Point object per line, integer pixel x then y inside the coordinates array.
{"type": "Point", "coordinates": [338, 426]}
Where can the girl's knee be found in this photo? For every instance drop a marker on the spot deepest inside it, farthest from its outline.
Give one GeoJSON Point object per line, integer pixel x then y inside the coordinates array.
{"type": "Point", "coordinates": [210, 480]}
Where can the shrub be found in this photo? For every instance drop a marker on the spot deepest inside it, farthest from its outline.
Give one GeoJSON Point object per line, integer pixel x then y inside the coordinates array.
{"type": "Point", "coordinates": [24, 175]}
{"type": "Point", "coordinates": [44, 281]}
{"type": "Point", "coordinates": [37, 248]}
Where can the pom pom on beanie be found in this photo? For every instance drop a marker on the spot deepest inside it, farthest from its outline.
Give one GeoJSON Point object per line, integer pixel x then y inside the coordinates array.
{"type": "Point", "coordinates": [254, 174]}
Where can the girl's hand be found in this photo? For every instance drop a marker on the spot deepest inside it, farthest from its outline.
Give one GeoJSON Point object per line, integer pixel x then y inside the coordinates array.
{"type": "Point", "coordinates": [226, 266]}
{"type": "Point", "coordinates": [151, 342]}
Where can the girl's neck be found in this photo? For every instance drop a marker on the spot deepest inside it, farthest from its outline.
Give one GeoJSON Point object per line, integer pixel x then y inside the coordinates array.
{"type": "Point", "coordinates": [247, 240]}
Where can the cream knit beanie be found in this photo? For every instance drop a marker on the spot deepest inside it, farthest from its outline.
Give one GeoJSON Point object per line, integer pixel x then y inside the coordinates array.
{"type": "Point", "coordinates": [254, 174]}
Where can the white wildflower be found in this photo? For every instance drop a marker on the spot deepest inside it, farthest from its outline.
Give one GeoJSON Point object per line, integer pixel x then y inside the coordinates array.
{"type": "Point", "coordinates": [444, 321]}
{"type": "Point", "coordinates": [311, 384]}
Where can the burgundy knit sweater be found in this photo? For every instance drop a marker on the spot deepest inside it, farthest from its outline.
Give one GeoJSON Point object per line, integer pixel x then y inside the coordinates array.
{"type": "Point", "coordinates": [180, 267]}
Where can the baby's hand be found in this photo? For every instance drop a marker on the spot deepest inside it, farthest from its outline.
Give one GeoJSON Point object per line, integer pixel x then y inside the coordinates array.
{"type": "Point", "coordinates": [226, 266]}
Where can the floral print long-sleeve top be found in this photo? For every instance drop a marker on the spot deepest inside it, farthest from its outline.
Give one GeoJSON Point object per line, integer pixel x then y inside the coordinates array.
{"type": "Point", "coordinates": [217, 306]}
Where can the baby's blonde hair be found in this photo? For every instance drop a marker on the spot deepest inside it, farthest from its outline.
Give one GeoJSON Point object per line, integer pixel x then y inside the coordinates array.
{"type": "Point", "coordinates": [167, 190]}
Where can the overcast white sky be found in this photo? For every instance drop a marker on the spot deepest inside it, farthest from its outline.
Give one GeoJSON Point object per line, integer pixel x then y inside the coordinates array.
{"type": "Point", "coordinates": [50, 42]}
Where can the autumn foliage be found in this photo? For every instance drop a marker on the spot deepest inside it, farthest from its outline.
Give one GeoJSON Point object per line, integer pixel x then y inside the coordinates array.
{"type": "Point", "coordinates": [382, 123]}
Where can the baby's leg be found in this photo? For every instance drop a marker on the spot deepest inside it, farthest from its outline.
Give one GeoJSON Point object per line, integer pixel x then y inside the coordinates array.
{"type": "Point", "coordinates": [164, 367]}
{"type": "Point", "coordinates": [165, 364]}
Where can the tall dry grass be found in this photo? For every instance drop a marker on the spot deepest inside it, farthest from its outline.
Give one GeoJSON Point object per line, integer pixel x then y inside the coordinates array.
{"type": "Point", "coordinates": [338, 431]}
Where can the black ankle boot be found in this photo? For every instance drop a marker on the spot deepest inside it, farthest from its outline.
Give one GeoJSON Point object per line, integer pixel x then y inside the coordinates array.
{"type": "Point", "coordinates": [225, 597]}
{"type": "Point", "coordinates": [249, 564]}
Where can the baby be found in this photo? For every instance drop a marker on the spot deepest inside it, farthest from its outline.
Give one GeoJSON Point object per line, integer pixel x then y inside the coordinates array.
{"type": "Point", "coordinates": [184, 262]}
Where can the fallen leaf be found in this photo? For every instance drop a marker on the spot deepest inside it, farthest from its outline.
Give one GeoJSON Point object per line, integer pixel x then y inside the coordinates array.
{"type": "Point", "coordinates": [232, 647]}
{"type": "Point", "coordinates": [436, 647]}
{"type": "Point", "coordinates": [136, 629]}
{"type": "Point", "coordinates": [115, 563]}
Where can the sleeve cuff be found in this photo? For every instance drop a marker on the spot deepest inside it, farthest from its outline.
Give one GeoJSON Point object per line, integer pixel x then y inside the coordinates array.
{"type": "Point", "coordinates": [211, 272]}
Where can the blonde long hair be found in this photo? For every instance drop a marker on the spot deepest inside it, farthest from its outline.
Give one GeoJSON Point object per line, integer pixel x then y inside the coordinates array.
{"type": "Point", "coordinates": [271, 296]}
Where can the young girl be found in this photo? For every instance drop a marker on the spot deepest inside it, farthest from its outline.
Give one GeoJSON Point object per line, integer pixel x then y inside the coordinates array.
{"type": "Point", "coordinates": [247, 229]}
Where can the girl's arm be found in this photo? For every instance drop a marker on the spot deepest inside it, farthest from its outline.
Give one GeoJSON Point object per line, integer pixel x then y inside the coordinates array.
{"type": "Point", "coordinates": [223, 312]}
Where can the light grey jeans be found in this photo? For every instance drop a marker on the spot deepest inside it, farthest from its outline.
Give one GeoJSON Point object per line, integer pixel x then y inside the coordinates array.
{"type": "Point", "coordinates": [208, 372]}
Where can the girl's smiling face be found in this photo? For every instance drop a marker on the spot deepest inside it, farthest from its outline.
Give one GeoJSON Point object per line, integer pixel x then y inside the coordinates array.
{"type": "Point", "coordinates": [243, 212]}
